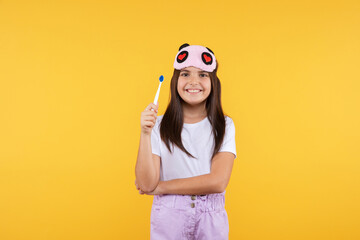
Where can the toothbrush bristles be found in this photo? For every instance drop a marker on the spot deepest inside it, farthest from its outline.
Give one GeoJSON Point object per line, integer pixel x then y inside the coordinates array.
{"type": "Point", "coordinates": [161, 78]}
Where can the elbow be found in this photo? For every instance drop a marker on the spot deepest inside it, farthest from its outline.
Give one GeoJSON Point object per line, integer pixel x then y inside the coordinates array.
{"type": "Point", "coordinates": [220, 186]}
{"type": "Point", "coordinates": [148, 187]}
{"type": "Point", "coordinates": [147, 183]}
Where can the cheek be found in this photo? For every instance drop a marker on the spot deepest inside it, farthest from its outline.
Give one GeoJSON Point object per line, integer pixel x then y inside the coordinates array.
{"type": "Point", "coordinates": [208, 85]}
{"type": "Point", "coordinates": [180, 85]}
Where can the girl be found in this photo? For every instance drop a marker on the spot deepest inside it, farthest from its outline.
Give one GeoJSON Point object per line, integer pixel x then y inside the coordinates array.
{"type": "Point", "coordinates": [186, 156]}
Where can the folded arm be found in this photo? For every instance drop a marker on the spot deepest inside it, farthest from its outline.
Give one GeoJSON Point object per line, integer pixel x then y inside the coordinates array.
{"type": "Point", "coordinates": [214, 182]}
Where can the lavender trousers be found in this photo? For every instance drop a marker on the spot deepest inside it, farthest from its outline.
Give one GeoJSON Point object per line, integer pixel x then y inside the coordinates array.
{"type": "Point", "coordinates": [189, 217]}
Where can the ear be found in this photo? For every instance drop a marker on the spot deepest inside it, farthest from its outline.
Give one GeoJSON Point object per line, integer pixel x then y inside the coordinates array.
{"type": "Point", "coordinates": [184, 45]}
{"type": "Point", "coordinates": [210, 51]}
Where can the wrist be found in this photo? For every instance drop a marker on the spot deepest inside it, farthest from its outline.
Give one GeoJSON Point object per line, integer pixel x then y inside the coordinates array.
{"type": "Point", "coordinates": [145, 134]}
{"type": "Point", "coordinates": [161, 189]}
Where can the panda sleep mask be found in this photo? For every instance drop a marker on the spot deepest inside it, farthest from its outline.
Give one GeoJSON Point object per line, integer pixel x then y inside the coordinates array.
{"type": "Point", "coordinates": [195, 56]}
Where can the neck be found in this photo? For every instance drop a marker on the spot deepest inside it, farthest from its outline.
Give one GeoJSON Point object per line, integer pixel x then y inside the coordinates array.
{"type": "Point", "coordinates": [194, 112]}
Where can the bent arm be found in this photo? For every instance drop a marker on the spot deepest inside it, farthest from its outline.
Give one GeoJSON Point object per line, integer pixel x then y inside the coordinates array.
{"type": "Point", "coordinates": [214, 182]}
{"type": "Point", "coordinates": [147, 169]}
{"type": "Point", "coordinates": [203, 184]}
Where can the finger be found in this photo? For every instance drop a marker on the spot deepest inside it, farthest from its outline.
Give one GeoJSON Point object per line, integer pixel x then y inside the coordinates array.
{"type": "Point", "coordinates": [148, 114]}
{"type": "Point", "coordinates": [149, 124]}
{"type": "Point", "coordinates": [153, 110]}
{"type": "Point", "coordinates": [148, 107]}
{"type": "Point", "coordinates": [149, 119]}
{"type": "Point", "coordinates": [137, 187]}
{"type": "Point", "coordinates": [152, 106]}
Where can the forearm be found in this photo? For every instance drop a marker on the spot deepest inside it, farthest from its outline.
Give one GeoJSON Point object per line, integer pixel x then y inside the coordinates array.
{"type": "Point", "coordinates": [199, 185]}
{"type": "Point", "coordinates": [145, 171]}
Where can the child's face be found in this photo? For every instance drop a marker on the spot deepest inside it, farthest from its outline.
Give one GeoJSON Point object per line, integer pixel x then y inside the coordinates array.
{"type": "Point", "coordinates": [192, 78]}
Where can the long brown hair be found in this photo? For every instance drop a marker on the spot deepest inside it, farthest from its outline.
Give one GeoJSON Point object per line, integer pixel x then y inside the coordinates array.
{"type": "Point", "coordinates": [173, 119]}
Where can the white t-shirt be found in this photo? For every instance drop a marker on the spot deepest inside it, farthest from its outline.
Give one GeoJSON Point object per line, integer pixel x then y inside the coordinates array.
{"type": "Point", "coordinates": [198, 140]}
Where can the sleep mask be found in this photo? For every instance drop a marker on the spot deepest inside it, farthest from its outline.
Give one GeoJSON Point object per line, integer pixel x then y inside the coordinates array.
{"type": "Point", "coordinates": [195, 56]}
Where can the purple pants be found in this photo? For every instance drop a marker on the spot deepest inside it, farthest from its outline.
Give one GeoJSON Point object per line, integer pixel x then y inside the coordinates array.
{"type": "Point", "coordinates": [190, 217]}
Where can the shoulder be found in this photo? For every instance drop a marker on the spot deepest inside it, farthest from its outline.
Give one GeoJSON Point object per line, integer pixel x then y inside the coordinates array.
{"type": "Point", "coordinates": [230, 126]}
{"type": "Point", "coordinates": [159, 118]}
{"type": "Point", "coordinates": [229, 121]}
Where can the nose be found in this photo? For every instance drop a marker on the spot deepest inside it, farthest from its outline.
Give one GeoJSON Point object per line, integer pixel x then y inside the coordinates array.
{"type": "Point", "coordinates": [194, 80]}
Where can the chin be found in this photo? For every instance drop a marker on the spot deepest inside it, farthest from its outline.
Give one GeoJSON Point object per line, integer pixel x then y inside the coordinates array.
{"type": "Point", "coordinates": [195, 102]}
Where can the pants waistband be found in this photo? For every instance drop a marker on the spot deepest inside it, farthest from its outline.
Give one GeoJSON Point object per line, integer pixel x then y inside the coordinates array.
{"type": "Point", "coordinates": [209, 202]}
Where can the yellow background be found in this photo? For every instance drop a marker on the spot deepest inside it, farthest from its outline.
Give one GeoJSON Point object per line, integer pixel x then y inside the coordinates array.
{"type": "Point", "coordinates": [76, 75]}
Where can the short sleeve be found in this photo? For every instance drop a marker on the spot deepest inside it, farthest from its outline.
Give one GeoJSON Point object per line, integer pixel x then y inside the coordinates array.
{"type": "Point", "coordinates": [155, 138]}
{"type": "Point", "coordinates": [228, 144]}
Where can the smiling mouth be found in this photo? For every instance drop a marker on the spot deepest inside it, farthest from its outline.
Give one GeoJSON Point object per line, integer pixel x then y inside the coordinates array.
{"type": "Point", "coordinates": [193, 91]}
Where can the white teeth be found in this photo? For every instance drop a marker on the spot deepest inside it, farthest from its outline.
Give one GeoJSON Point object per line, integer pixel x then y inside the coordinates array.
{"type": "Point", "coordinates": [193, 91]}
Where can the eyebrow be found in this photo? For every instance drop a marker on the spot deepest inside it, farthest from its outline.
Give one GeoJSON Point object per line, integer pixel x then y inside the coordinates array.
{"type": "Point", "coordinates": [189, 71]}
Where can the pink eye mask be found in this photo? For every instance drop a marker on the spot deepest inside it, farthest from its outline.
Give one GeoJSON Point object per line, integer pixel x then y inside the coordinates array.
{"type": "Point", "coordinates": [195, 56]}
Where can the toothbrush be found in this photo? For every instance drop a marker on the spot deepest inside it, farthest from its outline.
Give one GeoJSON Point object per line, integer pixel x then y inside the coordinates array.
{"type": "Point", "coordinates": [161, 79]}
